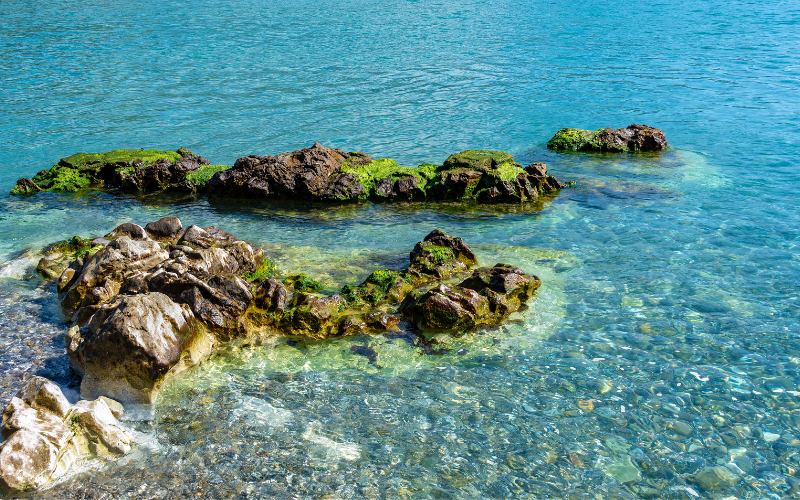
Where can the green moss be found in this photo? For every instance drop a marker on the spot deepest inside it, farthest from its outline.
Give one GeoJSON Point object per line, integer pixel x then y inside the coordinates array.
{"type": "Point", "coordinates": [266, 268]}
{"type": "Point", "coordinates": [303, 283]}
{"type": "Point", "coordinates": [440, 255]}
{"type": "Point", "coordinates": [201, 176]}
{"type": "Point", "coordinates": [83, 170]}
{"type": "Point", "coordinates": [88, 251]}
{"type": "Point", "coordinates": [60, 178]}
{"type": "Point", "coordinates": [382, 278]}
{"type": "Point", "coordinates": [72, 246]}
{"type": "Point", "coordinates": [575, 139]}
{"type": "Point", "coordinates": [479, 160]}
{"type": "Point", "coordinates": [370, 173]}
{"type": "Point", "coordinates": [92, 160]}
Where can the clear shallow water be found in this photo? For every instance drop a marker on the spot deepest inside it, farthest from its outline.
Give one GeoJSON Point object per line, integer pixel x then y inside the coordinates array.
{"type": "Point", "coordinates": [664, 339]}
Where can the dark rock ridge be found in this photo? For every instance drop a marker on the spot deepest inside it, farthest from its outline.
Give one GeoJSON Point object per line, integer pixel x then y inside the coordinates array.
{"type": "Point", "coordinates": [320, 173]}
{"type": "Point", "coordinates": [633, 139]}
{"type": "Point", "coordinates": [317, 173]}
{"type": "Point", "coordinates": [150, 301]}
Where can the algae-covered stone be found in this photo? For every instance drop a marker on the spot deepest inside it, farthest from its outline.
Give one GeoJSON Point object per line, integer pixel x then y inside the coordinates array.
{"type": "Point", "coordinates": [121, 168]}
{"type": "Point", "coordinates": [25, 186]}
{"type": "Point", "coordinates": [634, 138]}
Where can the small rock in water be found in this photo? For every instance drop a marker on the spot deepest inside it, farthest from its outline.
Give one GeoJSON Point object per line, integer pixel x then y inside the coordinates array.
{"type": "Point", "coordinates": [623, 470]}
{"type": "Point", "coordinates": [716, 478]}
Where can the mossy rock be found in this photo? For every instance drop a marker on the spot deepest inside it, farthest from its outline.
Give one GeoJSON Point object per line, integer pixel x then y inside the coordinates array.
{"type": "Point", "coordinates": [85, 170]}
{"type": "Point", "coordinates": [383, 285]}
{"type": "Point", "coordinates": [199, 178]}
{"type": "Point", "coordinates": [479, 160]}
{"type": "Point", "coordinates": [302, 283]}
{"type": "Point", "coordinates": [370, 173]}
{"type": "Point", "coordinates": [572, 139]}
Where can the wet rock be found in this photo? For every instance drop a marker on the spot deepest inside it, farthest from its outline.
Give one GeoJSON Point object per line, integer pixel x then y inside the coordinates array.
{"type": "Point", "coordinates": [164, 228]}
{"type": "Point", "coordinates": [41, 443]}
{"type": "Point", "coordinates": [443, 308]}
{"type": "Point", "coordinates": [129, 345]}
{"type": "Point", "coordinates": [25, 186]}
{"type": "Point", "coordinates": [440, 255]}
{"type": "Point", "coordinates": [271, 295]}
{"type": "Point", "coordinates": [300, 175]}
{"type": "Point", "coordinates": [716, 478]}
{"type": "Point", "coordinates": [506, 287]}
{"type": "Point", "coordinates": [485, 298]}
{"type": "Point", "coordinates": [634, 138]}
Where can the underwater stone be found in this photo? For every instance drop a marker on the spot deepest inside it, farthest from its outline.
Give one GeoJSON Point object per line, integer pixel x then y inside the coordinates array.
{"type": "Point", "coordinates": [716, 478]}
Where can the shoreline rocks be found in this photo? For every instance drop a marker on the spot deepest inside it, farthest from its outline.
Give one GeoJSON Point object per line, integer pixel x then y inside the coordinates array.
{"type": "Point", "coordinates": [316, 173]}
{"type": "Point", "coordinates": [149, 302]}
{"type": "Point", "coordinates": [44, 435]}
{"type": "Point", "coordinates": [634, 139]}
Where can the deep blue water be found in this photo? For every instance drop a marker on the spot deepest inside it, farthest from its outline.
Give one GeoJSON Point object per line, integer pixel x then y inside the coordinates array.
{"type": "Point", "coordinates": [669, 281]}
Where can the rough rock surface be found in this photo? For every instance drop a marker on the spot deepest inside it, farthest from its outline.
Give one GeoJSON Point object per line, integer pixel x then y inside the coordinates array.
{"type": "Point", "coordinates": [155, 300]}
{"type": "Point", "coordinates": [634, 138]}
{"type": "Point", "coordinates": [316, 173]}
{"type": "Point", "coordinates": [43, 435]}
{"type": "Point", "coordinates": [487, 297]}
{"type": "Point", "coordinates": [127, 169]}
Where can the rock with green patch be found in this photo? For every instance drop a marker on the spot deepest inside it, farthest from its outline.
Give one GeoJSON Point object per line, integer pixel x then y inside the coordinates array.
{"type": "Point", "coordinates": [439, 256]}
{"type": "Point", "coordinates": [487, 297]}
{"type": "Point", "coordinates": [634, 138]}
{"type": "Point", "coordinates": [129, 169]}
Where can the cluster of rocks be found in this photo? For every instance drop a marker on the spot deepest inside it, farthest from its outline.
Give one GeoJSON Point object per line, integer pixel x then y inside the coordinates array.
{"type": "Point", "coordinates": [151, 301]}
{"type": "Point", "coordinates": [44, 435]}
{"type": "Point", "coordinates": [320, 173]}
{"type": "Point", "coordinates": [634, 138]}
{"type": "Point", "coordinates": [317, 173]}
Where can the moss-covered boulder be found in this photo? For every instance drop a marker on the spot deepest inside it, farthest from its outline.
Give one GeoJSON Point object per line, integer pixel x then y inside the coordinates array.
{"type": "Point", "coordinates": [487, 297]}
{"type": "Point", "coordinates": [127, 169]}
{"type": "Point", "coordinates": [634, 138]}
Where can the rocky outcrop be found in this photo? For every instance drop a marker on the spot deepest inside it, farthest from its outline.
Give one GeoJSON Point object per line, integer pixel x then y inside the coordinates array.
{"type": "Point", "coordinates": [487, 297]}
{"type": "Point", "coordinates": [317, 173]}
{"type": "Point", "coordinates": [144, 308]}
{"type": "Point", "coordinates": [150, 301]}
{"type": "Point", "coordinates": [43, 435]}
{"type": "Point", "coordinates": [325, 174]}
{"type": "Point", "coordinates": [123, 169]}
{"type": "Point", "coordinates": [634, 138]}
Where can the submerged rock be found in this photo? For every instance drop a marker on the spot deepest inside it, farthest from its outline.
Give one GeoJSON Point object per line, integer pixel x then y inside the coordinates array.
{"type": "Point", "coordinates": [317, 173]}
{"type": "Point", "coordinates": [43, 435]}
{"type": "Point", "coordinates": [634, 138]}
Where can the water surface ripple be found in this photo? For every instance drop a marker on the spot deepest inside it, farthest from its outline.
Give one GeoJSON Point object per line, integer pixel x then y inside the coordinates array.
{"type": "Point", "coordinates": [663, 342]}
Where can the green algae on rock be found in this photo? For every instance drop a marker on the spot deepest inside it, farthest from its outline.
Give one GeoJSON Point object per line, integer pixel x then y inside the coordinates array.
{"type": "Point", "coordinates": [118, 169]}
{"type": "Point", "coordinates": [311, 174]}
{"type": "Point", "coordinates": [634, 138]}
{"type": "Point", "coordinates": [149, 302]}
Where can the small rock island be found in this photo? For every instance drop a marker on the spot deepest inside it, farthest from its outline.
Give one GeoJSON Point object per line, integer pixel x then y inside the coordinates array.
{"type": "Point", "coordinates": [317, 173]}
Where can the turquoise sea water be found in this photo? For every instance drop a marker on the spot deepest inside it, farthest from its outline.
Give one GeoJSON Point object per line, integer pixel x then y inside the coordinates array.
{"type": "Point", "coordinates": [664, 340]}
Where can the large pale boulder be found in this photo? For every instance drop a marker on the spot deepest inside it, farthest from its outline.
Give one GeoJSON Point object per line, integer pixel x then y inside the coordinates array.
{"type": "Point", "coordinates": [43, 438]}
